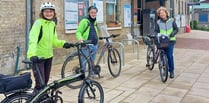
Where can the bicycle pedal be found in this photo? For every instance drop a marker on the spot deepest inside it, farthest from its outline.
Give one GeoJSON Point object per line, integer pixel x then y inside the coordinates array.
{"type": "Point", "coordinates": [147, 65]}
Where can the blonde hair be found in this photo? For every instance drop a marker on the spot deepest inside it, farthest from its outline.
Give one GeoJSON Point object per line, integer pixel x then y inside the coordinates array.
{"type": "Point", "coordinates": [162, 9]}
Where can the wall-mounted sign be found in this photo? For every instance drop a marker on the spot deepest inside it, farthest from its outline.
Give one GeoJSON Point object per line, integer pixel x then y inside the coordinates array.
{"type": "Point", "coordinates": [127, 15]}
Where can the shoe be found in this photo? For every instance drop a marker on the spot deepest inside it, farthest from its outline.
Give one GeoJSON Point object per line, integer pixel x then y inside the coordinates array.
{"type": "Point", "coordinates": [172, 75]}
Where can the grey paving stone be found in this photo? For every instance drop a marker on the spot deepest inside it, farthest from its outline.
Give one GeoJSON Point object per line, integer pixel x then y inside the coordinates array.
{"type": "Point", "coordinates": [161, 98]}
{"type": "Point", "coordinates": [199, 92]}
{"type": "Point", "coordinates": [174, 92]}
{"type": "Point", "coordinates": [195, 99]}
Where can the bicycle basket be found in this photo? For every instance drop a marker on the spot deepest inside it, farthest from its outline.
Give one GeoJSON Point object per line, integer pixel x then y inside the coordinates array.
{"type": "Point", "coordinates": [10, 83]}
{"type": "Point", "coordinates": [163, 41]}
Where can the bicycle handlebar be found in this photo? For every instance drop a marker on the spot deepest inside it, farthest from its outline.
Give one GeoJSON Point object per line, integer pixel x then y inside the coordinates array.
{"type": "Point", "coordinates": [84, 43]}
{"type": "Point", "coordinates": [151, 35]}
{"type": "Point", "coordinates": [111, 36]}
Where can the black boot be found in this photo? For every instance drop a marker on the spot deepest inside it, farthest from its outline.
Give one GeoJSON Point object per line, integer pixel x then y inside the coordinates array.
{"type": "Point", "coordinates": [171, 75]}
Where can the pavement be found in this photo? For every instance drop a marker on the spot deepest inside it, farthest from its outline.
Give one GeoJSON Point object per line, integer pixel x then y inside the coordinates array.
{"type": "Point", "coordinates": [137, 84]}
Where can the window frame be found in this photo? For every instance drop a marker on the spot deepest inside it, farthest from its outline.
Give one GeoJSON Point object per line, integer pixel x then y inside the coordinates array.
{"type": "Point", "coordinates": [203, 19]}
{"type": "Point", "coordinates": [116, 22]}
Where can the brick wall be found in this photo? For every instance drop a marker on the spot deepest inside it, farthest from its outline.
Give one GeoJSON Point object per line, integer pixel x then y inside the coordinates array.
{"type": "Point", "coordinates": [12, 32]}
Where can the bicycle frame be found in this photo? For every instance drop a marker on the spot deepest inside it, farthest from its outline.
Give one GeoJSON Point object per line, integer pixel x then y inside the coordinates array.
{"type": "Point", "coordinates": [106, 46]}
{"type": "Point", "coordinates": [55, 84]}
{"type": "Point", "coordinates": [59, 83]}
{"type": "Point", "coordinates": [157, 52]}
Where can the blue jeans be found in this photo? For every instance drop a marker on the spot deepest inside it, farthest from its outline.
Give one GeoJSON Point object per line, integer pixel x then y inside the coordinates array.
{"type": "Point", "coordinates": [169, 53]}
{"type": "Point", "coordinates": [93, 49]}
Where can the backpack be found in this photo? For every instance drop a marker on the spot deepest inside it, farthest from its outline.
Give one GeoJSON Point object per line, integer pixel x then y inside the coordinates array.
{"type": "Point", "coordinates": [41, 33]}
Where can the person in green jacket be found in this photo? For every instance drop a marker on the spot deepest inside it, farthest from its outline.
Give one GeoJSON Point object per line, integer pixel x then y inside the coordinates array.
{"type": "Point", "coordinates": [88, 30]}
{"type": "Point", "coordinates": [42, 39]}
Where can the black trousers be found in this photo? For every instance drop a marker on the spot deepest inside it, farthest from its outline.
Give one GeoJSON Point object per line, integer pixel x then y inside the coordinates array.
{"type": "Point", "coordinates": [44, 67]}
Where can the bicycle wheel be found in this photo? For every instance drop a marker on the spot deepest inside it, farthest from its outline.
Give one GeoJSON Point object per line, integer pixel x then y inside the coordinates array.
{"type": "Point", "coordinates": [45, 98]}
{"type": "Point", "coordinates": [114, 62]}
{"type": "Point", "coordinates": [91, 92]}
{"type": "Point", "coordinates": [163, 67]}
{"type": "Point", "coordinates": [21, 97]}
{"type": "Point", "coordinates": [150, 58]}
{"type": "Point", "coordinates": [71, 66]}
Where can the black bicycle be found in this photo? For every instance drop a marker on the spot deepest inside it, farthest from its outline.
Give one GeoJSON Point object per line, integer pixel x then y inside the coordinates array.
{"type": "Point", "coordinates": [72, 64]}
{"type": "Point", "coordinates": [90, 91]}
{"type": "Point", "coordinates": [155, 50]}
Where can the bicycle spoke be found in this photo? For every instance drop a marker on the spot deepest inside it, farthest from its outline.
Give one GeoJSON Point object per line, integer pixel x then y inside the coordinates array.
{"type": "Point", "coordinates": [91, 93]}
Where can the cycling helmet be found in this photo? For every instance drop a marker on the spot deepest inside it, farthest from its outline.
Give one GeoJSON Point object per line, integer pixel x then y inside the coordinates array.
{"type": "Point", "coordinates": [47, 5]}
{"type": "Point", "coordinates": [92, 7]}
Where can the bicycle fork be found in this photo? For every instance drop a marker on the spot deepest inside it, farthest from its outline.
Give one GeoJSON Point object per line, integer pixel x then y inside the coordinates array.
{"type": "Point", "coordinates": [91, 91]}
{"type": "Point", "coordinates": [112, 57]}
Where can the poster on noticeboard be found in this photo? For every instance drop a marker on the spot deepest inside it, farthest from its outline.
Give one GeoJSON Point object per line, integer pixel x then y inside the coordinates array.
{"type": "Point", "coordinates": [71, 14]}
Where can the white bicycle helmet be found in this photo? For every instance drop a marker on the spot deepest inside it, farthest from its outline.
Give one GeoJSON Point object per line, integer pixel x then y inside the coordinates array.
{"type": "Point", "coordinates": [47, 5]}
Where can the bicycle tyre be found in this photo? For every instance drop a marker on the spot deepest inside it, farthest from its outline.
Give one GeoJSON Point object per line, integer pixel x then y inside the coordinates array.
{"type": "Point", "coordinates": [21, 97]}
{"type": "Point", "coordinates": [45, 98]}
{"type": "Point", "coordinates": [114, 62]}
{"type": "Point", "coordinates": [150, 58]}
{"type": "Point", "coordinates": [71, 66]}
{"type": "Point", "coordinates": [88, 93]}
{"type": "Point", "coordinates": [163, 67]}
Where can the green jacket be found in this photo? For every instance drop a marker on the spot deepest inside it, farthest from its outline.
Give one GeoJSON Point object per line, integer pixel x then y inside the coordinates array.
{"type": "Point", "coordinates": [43, 48]}
{"type": "Point", "coordinates": [83, 29]}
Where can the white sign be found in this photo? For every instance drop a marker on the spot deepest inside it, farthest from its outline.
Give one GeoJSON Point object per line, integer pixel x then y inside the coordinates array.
{"type": "Point", "coordinates": [99, 5]}
{"type": "Point", "coordinates": [127, 15]}
{"type": "Point", "coordinates": [183, 20]}
{"type": "Point", "coordinates": [178, 22]}
{"type": "Point", "coordinates": [71, 14]}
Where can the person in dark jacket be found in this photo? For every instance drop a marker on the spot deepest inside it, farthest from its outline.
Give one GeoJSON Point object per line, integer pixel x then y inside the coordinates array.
{"type": "Point", "coordinates": [167, 25]}
{"type": "Point", "coordinates": [88, 30]}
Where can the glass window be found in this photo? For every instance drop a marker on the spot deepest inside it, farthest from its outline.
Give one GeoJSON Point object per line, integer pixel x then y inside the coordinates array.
{"type": "Point", "coordinates": [139, 12]}
{"type": "Point", "coordinates": [111, 13]}
{"type": "Point", "coordinates": [203, 17]}
{"type": "Point", "coordinates": [82, 9]}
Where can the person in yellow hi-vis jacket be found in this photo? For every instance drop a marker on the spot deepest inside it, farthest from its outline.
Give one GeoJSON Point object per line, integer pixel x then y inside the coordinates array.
{"type": "Point", "coordinates": [167, 25]}
{"type": "Point", "coordinates": [42, 39]}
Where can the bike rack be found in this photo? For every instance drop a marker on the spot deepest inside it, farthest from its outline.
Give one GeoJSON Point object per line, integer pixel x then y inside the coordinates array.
{"type": "Point", "coordinates": [121, 51]}
{"type": "Point", "coordinates": [105, 32]}
{"type": "Point", "coordinates": [133, 42]}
